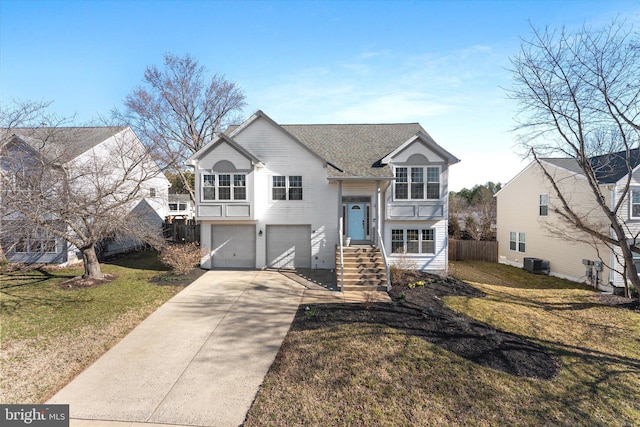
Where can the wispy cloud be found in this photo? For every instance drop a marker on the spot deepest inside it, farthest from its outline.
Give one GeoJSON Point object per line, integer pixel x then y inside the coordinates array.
{"type": "Point", "coordinates": [383, 87]}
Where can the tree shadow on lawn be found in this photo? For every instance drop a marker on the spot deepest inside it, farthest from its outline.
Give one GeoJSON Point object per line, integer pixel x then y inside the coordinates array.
{"type": "Point", "coordinates": [421, 312]}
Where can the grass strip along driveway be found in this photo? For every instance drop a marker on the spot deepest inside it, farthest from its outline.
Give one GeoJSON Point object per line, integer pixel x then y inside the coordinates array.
{"type": "Point", "coordinates": [52, 328]}
{"type": "Point", "coordinates": [505, 348]}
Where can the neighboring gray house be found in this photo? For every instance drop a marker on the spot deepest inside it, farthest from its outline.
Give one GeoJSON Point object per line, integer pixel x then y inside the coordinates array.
{"type": "Point", "coordinates": [285, 196]}
{"type": "Point", "coordinates": [69, 146]}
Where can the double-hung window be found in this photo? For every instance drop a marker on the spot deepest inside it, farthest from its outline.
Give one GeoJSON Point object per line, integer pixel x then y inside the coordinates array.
{"type": "Point", "coordinates": [402, 184]}
{"type": "Point", "coordinates": [635, 204]}
{"type": "Point", "coordinates": [517, 242]}
{"type": "Point", "coordinates": [413, 240]}
{"type": "Point", "coordinates": [224, 186]}
{"type": "Point", "coordinates": [286, 187]}
{"type": "Point", "coordinates": [433, 183]}
{"type": "Point", "coordinates": [429, 241]}
{"type": "Point", "coordinates": [410, 183]}
{"type": "Point", "coordinates": [397, 241]}
{"type": "Point", "coordinates": [544, 205]}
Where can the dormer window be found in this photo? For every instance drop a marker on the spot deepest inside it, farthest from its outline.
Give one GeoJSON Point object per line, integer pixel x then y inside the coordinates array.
{"type": "Point", "coordinates": [410, 183]}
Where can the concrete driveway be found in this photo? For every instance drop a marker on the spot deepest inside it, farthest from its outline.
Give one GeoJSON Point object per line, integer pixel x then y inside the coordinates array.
{"type": "Point", "coordinates": [198, 360]}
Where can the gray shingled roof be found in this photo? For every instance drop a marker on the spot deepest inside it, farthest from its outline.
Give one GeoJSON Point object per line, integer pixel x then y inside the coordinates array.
{"type": "Point", "coordinates": [609, 168]}
{"type": "Point", "coordinates": [355, 148]}
{"type": "Point", "coordinates": [565, 163]}
{"type": "Point", "coordinates": [65, 143]}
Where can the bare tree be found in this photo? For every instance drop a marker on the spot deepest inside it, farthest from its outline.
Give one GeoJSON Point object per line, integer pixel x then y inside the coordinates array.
{"type": "Point", "coordinates": [579, 97]}
{"type": "Point", "coordinates": [53, 189]}
{"type": "Point", "coordinates": [477, 210]}
{"type": "Point", "coordinates": [178, 110]}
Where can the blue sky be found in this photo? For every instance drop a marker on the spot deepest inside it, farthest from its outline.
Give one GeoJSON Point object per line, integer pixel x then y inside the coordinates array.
{"type": "Point", "coordinates": [440, 63]}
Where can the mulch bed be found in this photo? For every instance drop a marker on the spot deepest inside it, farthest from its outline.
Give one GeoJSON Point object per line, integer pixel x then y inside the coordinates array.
{"type": "Point", "coordinates": [420, 311]}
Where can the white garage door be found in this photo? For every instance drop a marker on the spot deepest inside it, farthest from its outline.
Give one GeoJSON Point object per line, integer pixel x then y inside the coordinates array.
{"type": "Point", "coordinates": [234, 246]}
{"type": "Point", "coordinates": [289, 246]}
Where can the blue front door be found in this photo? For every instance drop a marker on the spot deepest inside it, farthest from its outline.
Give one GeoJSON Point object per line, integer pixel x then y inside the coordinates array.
{"type": "Point", "coordinates": [355, 222]}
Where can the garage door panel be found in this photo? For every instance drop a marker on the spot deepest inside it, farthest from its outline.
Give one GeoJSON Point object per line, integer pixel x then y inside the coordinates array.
{"type": "Point", "coordinates": [234, 246]}
{"type": "Point", "coordinates": [289, 246]}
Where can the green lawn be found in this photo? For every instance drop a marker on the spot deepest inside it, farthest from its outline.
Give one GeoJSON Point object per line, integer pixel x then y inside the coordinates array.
{"type": "Point", "coordinates": [50, 332]}
{"type": "Point", "coordinates": [368, 374]}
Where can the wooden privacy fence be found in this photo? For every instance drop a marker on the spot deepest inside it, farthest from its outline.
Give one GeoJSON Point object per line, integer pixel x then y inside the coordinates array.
{"type": "Point", "coordinates": [181, 233]}
{"type": "Point", "coordinates": [473, 250]}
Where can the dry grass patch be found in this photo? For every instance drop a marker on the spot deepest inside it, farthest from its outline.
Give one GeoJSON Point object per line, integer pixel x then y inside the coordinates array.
{"type": "Point", "coordinates": [363, 373]}
{"type": "Point", "coordinates": [50, 332]}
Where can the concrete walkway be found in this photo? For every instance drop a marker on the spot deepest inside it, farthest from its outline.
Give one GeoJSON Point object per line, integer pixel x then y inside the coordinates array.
{"type": "Point", "coordinates": [197, 361]}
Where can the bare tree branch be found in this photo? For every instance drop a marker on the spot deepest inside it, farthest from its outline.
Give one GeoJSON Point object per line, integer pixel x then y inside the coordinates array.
{"type": "Point", "coordinates": [578, 98]}
{"type": "Point", "coordinates": [178, 110]}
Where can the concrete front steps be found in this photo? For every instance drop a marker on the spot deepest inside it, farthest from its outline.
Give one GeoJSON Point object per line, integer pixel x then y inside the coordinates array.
{"type": "Point", "coordinates": [363, 269]}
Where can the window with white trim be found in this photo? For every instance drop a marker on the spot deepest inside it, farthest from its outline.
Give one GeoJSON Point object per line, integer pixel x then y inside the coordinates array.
{"type": "Point", "coordinates": [544, 205]}
{"type": "Point", "coordinates": [152, 192]}
{"type": "Point", "coordinates": [413, 240]}
{"type": "Point", "coordinates": [517, 242]}
{"type": "Point", "coordinates": [286, 187]}
{"type": "Point", "coordinates": [223, 187]}
{"type": "Point", "coordinates": [410, 183]}
{"type": "Point", "coordinates": [177, 206]}
{"type": "Point", "coordinates": [635, 204]}
{"type": "Point", "coordinates": [36, 242]}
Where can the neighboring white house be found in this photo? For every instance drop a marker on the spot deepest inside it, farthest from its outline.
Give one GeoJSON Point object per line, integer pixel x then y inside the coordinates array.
{"type": "Point", "coordinates": [271, 195]}
{"type": "Point", "coordinates": [73, 146]}
{"type": "Point", "coordinates": [529, 226]}
{"type": "Point", "coordinates": [181, 208]}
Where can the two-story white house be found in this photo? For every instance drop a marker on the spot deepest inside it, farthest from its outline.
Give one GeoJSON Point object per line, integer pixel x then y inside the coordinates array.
{"type": "Point", "coordinates": [284, 196]}
{"type": "Point", "coordinates": [87, 154]}
{"type": "Point", "coordinates": [529, 225]}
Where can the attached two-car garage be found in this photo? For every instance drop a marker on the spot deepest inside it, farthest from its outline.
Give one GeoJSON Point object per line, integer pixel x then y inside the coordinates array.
{"type": "Point", "coordinates": [287, 246]}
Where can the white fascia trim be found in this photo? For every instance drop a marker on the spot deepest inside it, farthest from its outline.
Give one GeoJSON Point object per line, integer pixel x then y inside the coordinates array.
{"type": "Point", "coordinates": [426, 140]}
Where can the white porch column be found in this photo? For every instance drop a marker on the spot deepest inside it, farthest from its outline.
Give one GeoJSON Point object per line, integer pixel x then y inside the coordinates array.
{"type": "Point", "coordinates": [378, 211]}
{"type": "Point", "coordinates": [340, 208]}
